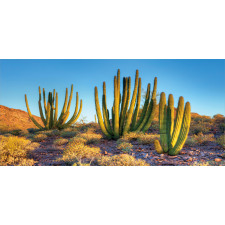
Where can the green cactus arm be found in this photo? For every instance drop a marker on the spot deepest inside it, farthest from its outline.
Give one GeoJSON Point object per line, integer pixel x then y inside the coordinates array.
{"type": "Point", "coordinates": [53, 101]}
{"type": "Point", "coordinates": [99, 115]}
{"type": "Point", "coordinates": [48, 116]}
{"type": "Point", "coordinates": [150, 115]}
{"type": "Point", "coordinates": [56, 111]}
{"type": "Point", "coordinates": [162, 122]}
{"type": "Point", "coordinates": [178, 122]}
{"type": "Point", "coordinates": [132, 104]}
{"type": "Point", "coordinates": [45, 104]}
{"type": "Point", "coordinates": [31, 116]}
{"type": "Point", "coordinates": [125, 100]}
{"type": "Point", "coordinates": [125, 112]}
{"type": "Point", "coordinates": [184, 130]}
{"type": "Point", "coordinates": [154, 88]}
{"type": "Point", "coordinates": [51, 121]}
{"type": "Point", "coordinates": [170, 119]}
{"type": "Point", "coordinates": [64, 105]}
{"type": "Point", "coordinates": [158, 147]}
{"type": "Point", "coordinates": [105, 111]}
{"type": "Point", "coordinates": [60, 120]}
{"type": "Point", "coordinates": [74, 117]}
{"type": "Point", "coordinates": [40, 108]}
{"type": "Point", "coordinates": [145, 107]}
{"type": "Point", "coordinates": [112, 110]}
{"type": "Point", "coordinates": [116, 109]}
{"type": "Point", "coordinates": [67, 112]}
{"type": "Point", "coordinates": [136, 111]}
{"type": "Point", "coordinates": [124, 96]}
{"type": "Point", "coordinates": [70, 98]}
{"type": "Point", "coordinates": [118, 85]}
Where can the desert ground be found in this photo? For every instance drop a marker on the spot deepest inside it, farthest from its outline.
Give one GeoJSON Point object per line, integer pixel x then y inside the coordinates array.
{"type": "Point", "coordinates": [83, 144]}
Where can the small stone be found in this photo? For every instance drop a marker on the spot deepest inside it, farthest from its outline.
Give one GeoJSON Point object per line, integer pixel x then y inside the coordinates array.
{"type": "Point", "coordinates": [218, 160]}
{"type": "Point", "coordinates": [190, 160]}
{"type": "Point", "coordinates": [145, 155]}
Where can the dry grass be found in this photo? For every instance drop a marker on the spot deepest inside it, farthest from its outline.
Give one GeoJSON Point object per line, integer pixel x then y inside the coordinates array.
{"type": "Point", "coordinates": [75, 152]}
{"type": "Point", "coordinates": [90, 138]}
{"type": "Point", "coordinates": [221, 140]}
{"type": "Point", "coordinates": [132, 136]}
{"type": "Point", "coordinates": [146, 139]}
{"type": "Point", "coordinates": [50, 133]}
{"type": "Point", "coordinates": [68, 134]}
{"type": "Point", "coordinates": [199, 139]}
{"type": "Point", "coordinates": [120, 160]}
{"type": "Point", "coordinates": [124, 146]}
{"type": "Point", "coordinates": [61, 141]}
{"type": "Point", "coordinates": [39, 137]}
{"type": "Point", "coordinates": [14, 151]}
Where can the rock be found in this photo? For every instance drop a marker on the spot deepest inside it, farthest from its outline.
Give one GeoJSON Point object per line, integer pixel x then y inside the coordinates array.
{"type": "Point", "coordinates": [145, 155]}
{"type": "Point", "coordinates": [218, 159]}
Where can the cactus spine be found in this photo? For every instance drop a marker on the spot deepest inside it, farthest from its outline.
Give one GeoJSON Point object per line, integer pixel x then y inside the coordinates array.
{"type": "Point", "coordinates": [125, 113]}
{"type": "Point", "coordinates": [50, 117]}
{"type": "Point", "coordinates": [172, 134]}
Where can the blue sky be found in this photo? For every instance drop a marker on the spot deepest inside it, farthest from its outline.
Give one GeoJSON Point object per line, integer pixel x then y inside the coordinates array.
{"type": "Point", "coordinates": [202, 82]}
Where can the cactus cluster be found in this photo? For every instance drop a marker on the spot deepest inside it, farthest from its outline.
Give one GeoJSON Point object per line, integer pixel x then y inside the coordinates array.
{"type": "Point", "coordinates": [173, 133]}
{"type": "Point", "coordinates": [126, 114]}
{"type": "Point", "coordinates": [50, 117]}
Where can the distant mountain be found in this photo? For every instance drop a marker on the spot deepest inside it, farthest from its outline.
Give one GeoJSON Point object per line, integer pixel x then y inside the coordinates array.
{"type": "Point", "coordinates": [14, 119]}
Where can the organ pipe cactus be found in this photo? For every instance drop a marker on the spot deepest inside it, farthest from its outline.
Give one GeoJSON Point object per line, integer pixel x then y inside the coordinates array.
{"type": "Point", "coordinates": [49, 115]}
{"type": "Point", "coordinates": [173, 134]}
{"type": "Point", "coordinates": [126, 114]}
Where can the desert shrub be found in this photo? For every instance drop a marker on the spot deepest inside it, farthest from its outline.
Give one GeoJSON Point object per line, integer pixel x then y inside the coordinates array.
{"type": "Point", "coordinates": [14, 151]}
{"type": "Point", "coordinates": [8, 135]}
{"type": "Point", "coordinates": [132, 136]}
{"type": "Point", "coordinates": [68, 134]}
{"type": "Point", "coordinates": [39, 137]}
{"type": "Point", "coordinates": [50, 133]}
{"type": "Point", "coordinates": [120, 160]}
{"type": "Point", "coordinates": [191, 141]}
{"type": "Point", "coordinates": [154, 126]}
{"type": "Point", "coordinates": [146, 139]}
{"type": "Point", "coordinates": [91, 137]}
{"type": "Point", "coordinates": [203, 139]}
{"type": "Point", "coordinates": [78, 140]}
{"type": "Point", "coordinates": [32, 146]}
{"type": "Point", "coordinates": [77, 151]}
{"type": "Point", "coordinates": [197, 128]}
{"type": "Point", "coordinates": [124, 146]}
{"type": "Point", "coordinates": [81, 164]}
{"type": "Point", "coordinates": [200, 164]}
{"type": "Point", "coordinates": [16, 132]}
{"type": "Point", "coordinates": [61, 141]}
{"type": "Point", "coordinates": [33, 130]}
{"type": "Point", "coordinates": [221, 140]}
{"type": "Point", "coordinates": [24, 133]}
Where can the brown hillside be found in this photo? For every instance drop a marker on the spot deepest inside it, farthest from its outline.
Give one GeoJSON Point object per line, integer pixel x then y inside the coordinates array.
{"type": "Point", "coordinates": [13, 119]}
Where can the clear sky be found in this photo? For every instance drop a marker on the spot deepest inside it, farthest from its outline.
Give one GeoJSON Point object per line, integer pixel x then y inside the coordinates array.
{"type": "Point", "coordinates": [202, 82]}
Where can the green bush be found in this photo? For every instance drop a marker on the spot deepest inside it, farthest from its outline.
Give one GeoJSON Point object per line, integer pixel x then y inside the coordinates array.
{"type": "Point", "coordinates": [124, 146]}
{"type": "Point", "coordinates": [68, 134]}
